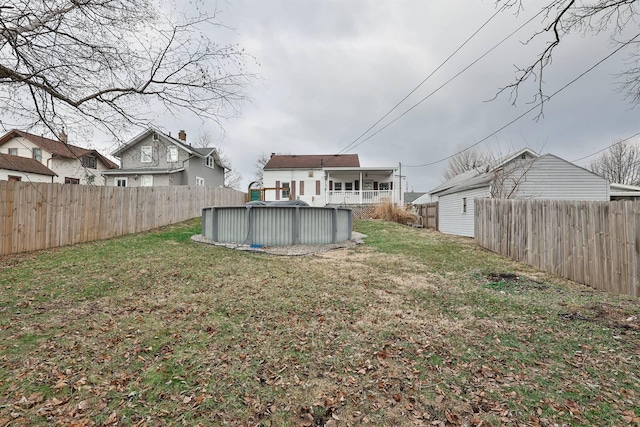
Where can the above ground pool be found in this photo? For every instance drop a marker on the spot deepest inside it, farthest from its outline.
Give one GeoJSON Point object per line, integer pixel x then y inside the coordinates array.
{"type": "Point", "coordinates": [279, 224]}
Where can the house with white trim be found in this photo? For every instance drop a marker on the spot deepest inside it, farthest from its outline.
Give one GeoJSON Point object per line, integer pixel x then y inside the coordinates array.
{"type": "Point", "coordinates": [70, 164]}
{"type": "Point", "coordinates": [329, 180]}
{"type": "Point", "coordinates": [16, 168]}
{"type": "Point", "coordinates": [521, 175]}
{"type": "Point", "coordinates": [153, 159]}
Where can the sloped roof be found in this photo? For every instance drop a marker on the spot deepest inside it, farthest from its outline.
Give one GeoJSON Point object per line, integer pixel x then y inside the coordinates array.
{"type": "Point", "coordinates": [314, 161]}
{"type": "Point", "coordinates": [57, 148]}
{"type": "Point", "coordinates": [196, 151]}
{"type": "Point", "coordinates": [24, 164]}
{"type": "Point", "coordinates": [479, 177]}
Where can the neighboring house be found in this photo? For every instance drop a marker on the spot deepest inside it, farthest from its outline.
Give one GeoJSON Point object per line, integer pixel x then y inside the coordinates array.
{"type": "Point", "coordinates": [624, 192]}
{"type": "Point", "coordinates": [333, 179]}
{"type": "Point", "coordinates": [16, 168]}
{"type": "Point", "coordinates": [157, 159]}
{"type": "Point", "coordinates": [522, 175]}
{"type": "Point", "coordinates": [411, 196]}
{"type": "Point", "coordinates": [70, 164]}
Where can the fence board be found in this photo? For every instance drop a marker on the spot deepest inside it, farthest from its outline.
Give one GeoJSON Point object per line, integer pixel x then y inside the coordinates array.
{"type": "Point", "coordinates": [40, 215]}
{"type": "Point", "coordinates": [595, 243]}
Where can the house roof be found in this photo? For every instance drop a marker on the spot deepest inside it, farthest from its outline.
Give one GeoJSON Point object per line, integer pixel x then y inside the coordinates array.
{"type": "Point", "coordinates": [201, 152]}
{"type": "Point", "coordinates": [24, 164]}
{"type": "Point", "coordinates": [623, 190]}
{"type": "Point", "coordinates": [410, 196]}
{"type": "Point", "coordinates": [314, 161]}
{"type": "Point", "coordinates": [57, 148]}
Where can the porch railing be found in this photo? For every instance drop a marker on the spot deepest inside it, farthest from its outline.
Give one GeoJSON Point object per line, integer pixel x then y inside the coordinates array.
{"type": "Point", "coordinates": [365, 197]}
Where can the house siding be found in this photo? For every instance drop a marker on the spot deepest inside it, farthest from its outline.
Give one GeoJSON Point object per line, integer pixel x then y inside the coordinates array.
{"type": "Point", "coordinates": [451, 219]}
{"type": "Point", "coordinates": [197, 167]}
{"type": "Point", "coordinates": [555, 179]}
{"type": "Point", "coordinates": [131, 157]}
{"type": "Point", "coordinates": [27, 177]}
{"type": "Point", "coordinates": [271, 178]}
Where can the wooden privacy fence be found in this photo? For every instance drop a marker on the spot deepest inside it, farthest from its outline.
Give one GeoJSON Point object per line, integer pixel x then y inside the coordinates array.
{"type": "Point", "coordinates": [429, 214]}
{"type": "Point", "coordinates": [40, 215]}
{"type": "Point", "coordinates": [595, 243]}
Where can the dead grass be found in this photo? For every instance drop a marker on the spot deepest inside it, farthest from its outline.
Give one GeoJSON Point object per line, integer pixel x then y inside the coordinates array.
{"type": "Point", "coordinates": [386, 211]}
{"type": "Point", "coordinates": [156, 330]}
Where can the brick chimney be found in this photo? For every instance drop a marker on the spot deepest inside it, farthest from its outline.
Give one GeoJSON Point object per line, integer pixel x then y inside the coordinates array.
{"type": "Point", "coordinates": [182, 136]}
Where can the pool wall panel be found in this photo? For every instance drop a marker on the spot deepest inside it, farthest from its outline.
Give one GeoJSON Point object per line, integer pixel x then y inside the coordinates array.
{"type": "Point", "coordinates": [276, 225]}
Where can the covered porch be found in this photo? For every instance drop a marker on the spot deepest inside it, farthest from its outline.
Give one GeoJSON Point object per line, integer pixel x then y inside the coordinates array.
{"type": "Point", "coordinates": [362, 186]}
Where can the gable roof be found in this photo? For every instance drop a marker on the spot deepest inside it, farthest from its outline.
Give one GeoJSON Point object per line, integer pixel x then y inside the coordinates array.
{"type": "Point", "coordinates": [161, 135]}
{"type": "Point", "coordinates": [479, 177]}
{"type": "Point", "coordinates": [316, 161]}
{"type": "Point", "coordinates": [24, 164]}
{"type": "Point", "coordinates": [57, 148]}
{"type": "Point", "coordinates": [201, 152]}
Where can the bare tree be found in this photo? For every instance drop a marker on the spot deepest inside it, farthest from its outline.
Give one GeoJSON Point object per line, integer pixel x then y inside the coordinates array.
{"type": "Point", "coordinates": [589, 17]}
{"type": "Point", "coordinates": [108, 63]}
{"type": "Point", "coordinates": [259, 167]}
{"type": "Point", "coordinates": [507, 180]}
{"type": "Point", "coordinates": [232, 177]}
{"type": "Point", "coordinates": [466, 159]}
{"type": "Point", "coordinates": [620, 164]}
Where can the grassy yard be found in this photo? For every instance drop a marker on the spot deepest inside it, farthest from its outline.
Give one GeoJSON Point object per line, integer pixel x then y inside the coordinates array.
{"type": "Point", "coordinates": [411, 328]}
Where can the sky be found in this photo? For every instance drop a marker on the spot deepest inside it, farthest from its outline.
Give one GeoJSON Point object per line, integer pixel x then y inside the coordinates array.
{"type": "Point", "coordinates": [329, 69]}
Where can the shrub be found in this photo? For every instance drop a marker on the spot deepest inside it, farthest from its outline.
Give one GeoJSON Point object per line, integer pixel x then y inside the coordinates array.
{"type": "Point", "coordinates": [387, 212]}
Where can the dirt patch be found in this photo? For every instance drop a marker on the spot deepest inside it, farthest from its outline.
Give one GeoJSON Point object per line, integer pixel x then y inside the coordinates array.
{"type": "Point", "coordinates": [607, 315]}
{"type": "Point", "coordinates": [511, 281]}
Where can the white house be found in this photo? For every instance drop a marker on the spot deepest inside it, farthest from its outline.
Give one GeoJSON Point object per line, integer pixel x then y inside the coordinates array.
{"type": "Point", "coordinates": [70, 164]}
{"type": "Point", "coordinates": [333, 179]}
{"type": "Point", "coordinates": [16, 168]}
{"type": "Point", "coordinates": [522, 175]}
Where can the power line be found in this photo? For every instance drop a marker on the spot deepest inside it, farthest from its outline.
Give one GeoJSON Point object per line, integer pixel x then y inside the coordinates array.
{"type": "Point", "coordinates": [606, 148]}
{"type": "Point", "coordinates": [547, 99]}
{"type": "Point", "coordinates": [445, 83]}
{"type": "Point", "coordinates": [425, 79]}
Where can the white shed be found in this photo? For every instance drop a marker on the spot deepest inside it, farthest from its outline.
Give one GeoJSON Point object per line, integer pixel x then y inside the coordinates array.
{"type": "Point", "coordinates": [522, 175]}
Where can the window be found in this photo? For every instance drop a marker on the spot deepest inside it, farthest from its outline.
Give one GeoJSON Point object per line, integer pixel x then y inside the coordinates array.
{"type": "Point", "coordinates": [37, 154]}
{"type": "Point", "coordinates": [68, 180]}
{"type": "Point", "coordinates": [310, 174]}
{"type": "Point", "coordinates": [146, 154]}
{"type": "Point", "coordinates": [199, 181]}
{"type": "Point", "coordinates": [337, 186]}
{"type": "Point", "coordinates": [285, 190]}
{"type": "Point", "coordinates": [13, 151]}
{"type": "Point", "coordinates": [89, 162]}
{"type": "Point", "coordinates": [120, 182]}
{"type": "Point", "coordinates": [146, 181]}
{"type": "Point", "coordinates": [348, 186]}
{"type": "Point", "coordinates": [209, 161]}
{"type": "Point", "coordinates": [464, 205]}
{"type": "Point", "coordinates": [383, 186]}
{"type": "Point", "coordinates": [14, 178]}
{"type": "Point", "coordinates": [156, 137]}
{"type": "Point", "coordinates": [172, 154]}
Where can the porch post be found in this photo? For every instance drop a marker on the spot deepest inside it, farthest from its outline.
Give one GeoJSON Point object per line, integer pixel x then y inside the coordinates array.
{"type": "Point", "coordinates": [361, 187]}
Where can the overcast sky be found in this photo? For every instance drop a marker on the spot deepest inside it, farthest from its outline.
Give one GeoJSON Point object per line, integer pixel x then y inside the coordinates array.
{"type": "Point", "coordinates": [328, 70]}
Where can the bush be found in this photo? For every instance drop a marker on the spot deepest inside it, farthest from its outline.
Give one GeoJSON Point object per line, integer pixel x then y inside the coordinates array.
{"type": "Point", "coordinates": [387, 212]}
